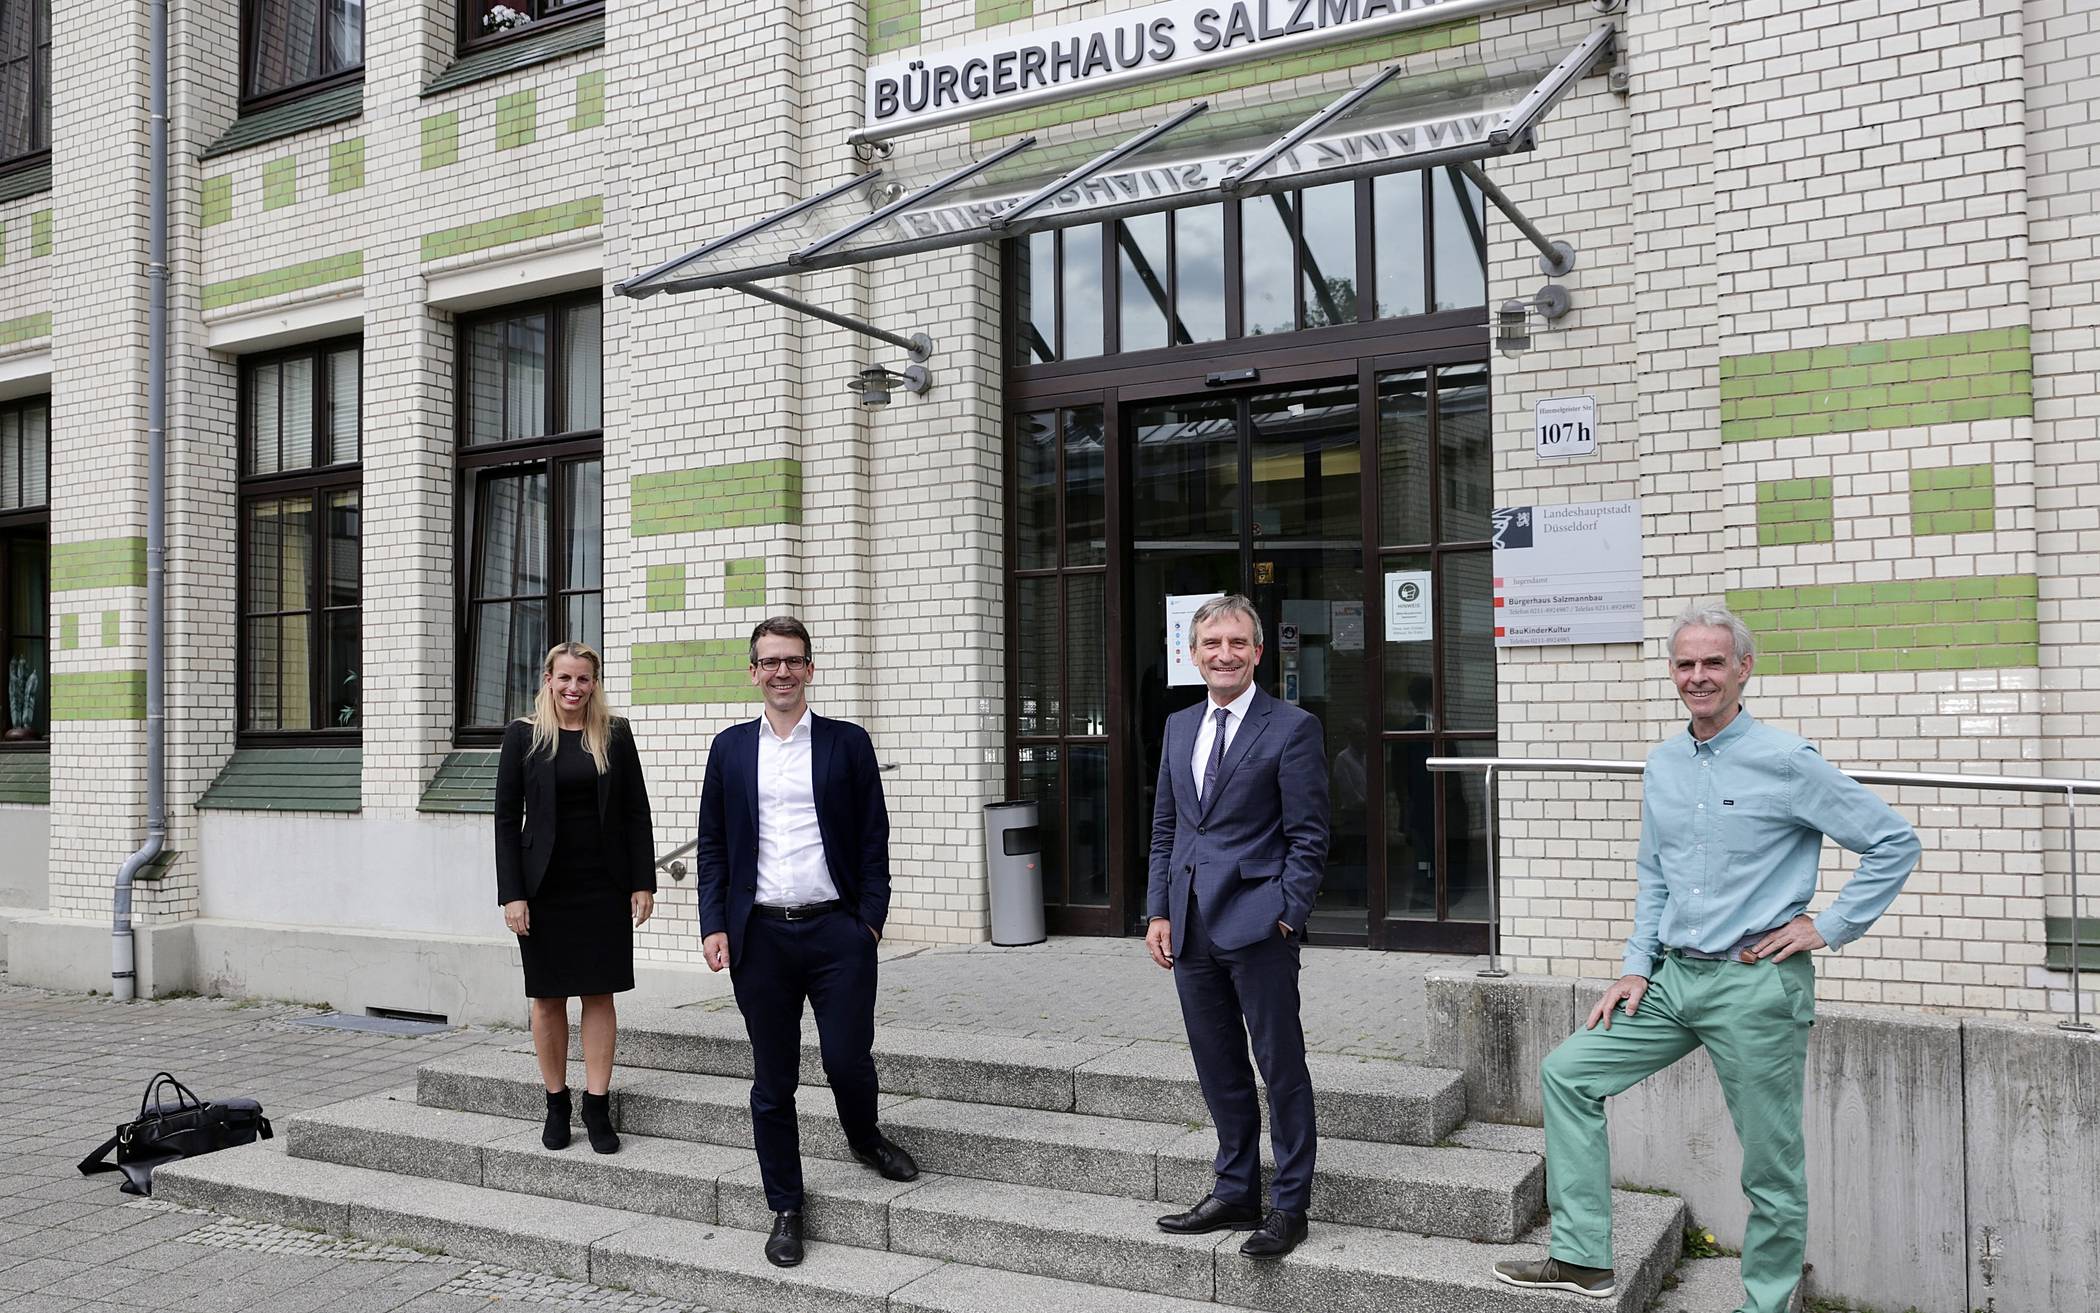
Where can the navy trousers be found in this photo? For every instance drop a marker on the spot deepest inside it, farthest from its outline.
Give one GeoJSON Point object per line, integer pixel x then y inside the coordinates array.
{"type": "Point", "coordinates": [829, 960]}
{"type": "Point", "coordinates": [1229, 997]}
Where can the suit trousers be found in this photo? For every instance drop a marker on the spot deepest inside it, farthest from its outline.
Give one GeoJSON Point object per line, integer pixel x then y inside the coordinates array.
{"type": "Point", "coordinates": [1229, 996]}
{"type": "Point", "coordinates": [830, 960]}
{"type": "Point", "coordinates": [1753, 1019]}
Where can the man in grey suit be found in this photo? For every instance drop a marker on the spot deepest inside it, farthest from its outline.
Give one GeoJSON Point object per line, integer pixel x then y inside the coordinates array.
{"type": "Point", "coordinates": [1239, 843]}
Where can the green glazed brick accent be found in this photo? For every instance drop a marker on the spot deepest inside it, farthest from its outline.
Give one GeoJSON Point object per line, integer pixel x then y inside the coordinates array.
{"type": "Point", "coordinates": [289, 780]}
{"type": "Point", "coordinates": [40, 233]}
{"type": "Point", "coordinates": [1211, 82]}
{"type": "Point", "coordinates": [25, 778]}
{"type": "Point", "coordinates": [1944, 379]}
{"type": "Point", "coordinates": [215, 200]}
{"type": "Point", "coordinates": [112, 628]}
{"type": "Point", "coordinates": [68, 632]}
{"type": "Point", "coordinates": [892, 25]}
{"type": "Point", "coordinates": [1984, 623]}
{"type": "Point", "coordinates": [525, 225]}
{"type": "Point", "coordinates": [590, 102]}
{"type": "Point", "coordinates": [26, 329]}
{"type": "Point", "coordinates": [1794, 511]}
{"type": "Point", "coordinates": [346, 166]}
{"type": "Point", "coordinates": [744, 581]}
{"type": "Point", "coordinates": [696, 670]}
{"type": "Point", "coordinates": [1953, 499]}
{"type": "Point", "coordinates": [666, 588]}
{"type": "Point", "coordinates": [441, 140]}
{"type": "Point", "coordinates": [517, 119]}
{"type": "Point", "coordinates": [280, 183]}
{"type": "Point", "coordinates": [98, 695]}
{"type": "Point", "coordinates": [465, 782]}
{"type": "Point", "coordinates": [342, 267]}
{"type": "Point", "coordinates": [990, 13]}
{"type": "Point", "coordinates": [743, 495]}
{"type": "Point", "coordinates": [100, 563]}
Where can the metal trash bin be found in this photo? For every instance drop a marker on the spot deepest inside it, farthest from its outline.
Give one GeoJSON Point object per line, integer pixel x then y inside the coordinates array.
{"type": "Point", "coordinates": [1013, 860]}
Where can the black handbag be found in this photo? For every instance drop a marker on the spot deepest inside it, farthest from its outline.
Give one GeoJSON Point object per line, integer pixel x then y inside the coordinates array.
{"type": "Point", "coordinates": [165, 1132]}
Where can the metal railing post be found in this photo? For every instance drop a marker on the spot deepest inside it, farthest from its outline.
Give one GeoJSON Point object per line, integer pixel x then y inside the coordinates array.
{"type": "Point", "coordinates": [2077, 1021]}
{"type": "Point", "coordinates": [1495, 968]}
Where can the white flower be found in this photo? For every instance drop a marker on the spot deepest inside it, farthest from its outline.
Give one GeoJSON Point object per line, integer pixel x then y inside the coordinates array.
{"type": "Point", "coordinates": [502, 18]}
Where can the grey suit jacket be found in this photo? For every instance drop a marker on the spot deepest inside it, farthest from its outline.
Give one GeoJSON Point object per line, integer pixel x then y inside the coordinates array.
{"type": "Point", "coordinates": [1254, 847]}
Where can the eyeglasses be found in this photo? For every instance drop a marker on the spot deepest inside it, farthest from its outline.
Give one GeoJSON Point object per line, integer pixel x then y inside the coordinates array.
{"type": "Point", "coordinates": [773, 664]}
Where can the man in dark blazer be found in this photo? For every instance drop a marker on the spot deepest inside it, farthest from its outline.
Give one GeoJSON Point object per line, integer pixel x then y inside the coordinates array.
{"type": "Point", "coordinates": [793, 869]}
{"type": "Point", "coordinates": [1239, 844]}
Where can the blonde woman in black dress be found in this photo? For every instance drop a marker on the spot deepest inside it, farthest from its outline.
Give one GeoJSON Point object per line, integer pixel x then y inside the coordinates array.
{"type": "Point", "coordinates": [576, 873]}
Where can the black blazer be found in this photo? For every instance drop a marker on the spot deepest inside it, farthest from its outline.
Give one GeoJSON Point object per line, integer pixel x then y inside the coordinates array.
{"type": "Point", "coordinates": [851, 816]}
{"type": "Point", "coordinates": [525, 810]}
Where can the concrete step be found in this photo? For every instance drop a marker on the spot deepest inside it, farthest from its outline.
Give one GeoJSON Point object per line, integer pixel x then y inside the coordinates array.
{"type": "Point", "coordinates": [951, 1246]}
{"type": "Point", "coordinates": [1356, 1098]}
{"type": "Point", "coordinates": [1466, 1193]}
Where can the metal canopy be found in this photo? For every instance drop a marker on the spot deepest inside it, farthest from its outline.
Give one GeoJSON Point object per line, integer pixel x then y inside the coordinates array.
{"type": "Point", "coordinates": [1393, 122]}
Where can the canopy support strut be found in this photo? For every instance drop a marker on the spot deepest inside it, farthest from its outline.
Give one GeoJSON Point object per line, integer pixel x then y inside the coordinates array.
{"type": "Point", "coordinates": [1555, 258]}
{"type": "Point", "coordinates": [918, 344]}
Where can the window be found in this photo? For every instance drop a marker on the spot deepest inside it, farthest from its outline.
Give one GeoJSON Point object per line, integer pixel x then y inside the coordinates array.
{"type": "Point", "coordinates": [531, 503]}
{"type": "Point", "coordinates": [25, 79]}
{"type": "Point", "coordinates": [296, 45]}
{"type": "Point", "coordinates": [25, 570]}
{"type": "Point", "coordinates": [482, 22]}
{"type": "Point", "coordinates": [300, 578]}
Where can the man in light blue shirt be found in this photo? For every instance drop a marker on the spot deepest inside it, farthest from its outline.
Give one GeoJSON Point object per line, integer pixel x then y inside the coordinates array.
{"type": "Point", "coordinates": [1733, 818]}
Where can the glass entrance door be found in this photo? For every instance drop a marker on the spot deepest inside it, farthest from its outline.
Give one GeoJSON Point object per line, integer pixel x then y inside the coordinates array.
{"type": "Point", "coordinates": [1260, 494]}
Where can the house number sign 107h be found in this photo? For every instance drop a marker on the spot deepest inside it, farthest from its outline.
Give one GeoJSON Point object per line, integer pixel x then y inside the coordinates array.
{"type": "Point", "coordinates": [1567, 426]}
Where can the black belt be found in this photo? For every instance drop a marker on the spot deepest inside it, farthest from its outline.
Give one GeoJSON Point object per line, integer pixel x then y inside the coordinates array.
{"type": "Point", "coordinates": [799, 912]}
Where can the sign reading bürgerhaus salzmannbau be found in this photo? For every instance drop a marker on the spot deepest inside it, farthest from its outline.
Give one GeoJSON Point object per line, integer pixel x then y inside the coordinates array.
{"type": "Point", "coordinates": [1179, 36]}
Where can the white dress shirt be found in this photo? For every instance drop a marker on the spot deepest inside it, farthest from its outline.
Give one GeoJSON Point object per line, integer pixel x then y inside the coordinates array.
{"type": "Point", "coordinates": [791, 866]}
{"type": "Point", "coordinates": [1209, 728]}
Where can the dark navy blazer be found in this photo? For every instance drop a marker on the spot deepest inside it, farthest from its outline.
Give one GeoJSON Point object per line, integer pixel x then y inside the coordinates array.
{"type": "Point", "coordinates": [851, 816]}
{"type": "Point", "coordinates": [1254, 847]}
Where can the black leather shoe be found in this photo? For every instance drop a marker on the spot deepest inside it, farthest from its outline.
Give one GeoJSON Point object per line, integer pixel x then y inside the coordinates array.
{"type": "Point", "coordinates": [889, 1159]}
{"type": "Point", "coordinates": [1280, 1233]}
{"type": "Point", "coordinates": [784, 1246]}
{"type": "Point", "coordinates": [1213, 1214]}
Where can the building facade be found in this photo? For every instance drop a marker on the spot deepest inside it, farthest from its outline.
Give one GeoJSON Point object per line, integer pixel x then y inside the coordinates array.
{"type": "Point", "coordinates": [1829, 300]}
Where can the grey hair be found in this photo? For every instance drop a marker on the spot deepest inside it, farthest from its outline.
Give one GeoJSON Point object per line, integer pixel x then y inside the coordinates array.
{"type": "Point", "coordinates": [1229, 604]}
{"type": "Point", "coordinates": [1741, 640]}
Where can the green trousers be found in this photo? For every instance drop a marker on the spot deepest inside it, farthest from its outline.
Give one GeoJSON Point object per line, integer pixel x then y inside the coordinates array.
{"type": "Point", "coordinates": [1753, 1019]}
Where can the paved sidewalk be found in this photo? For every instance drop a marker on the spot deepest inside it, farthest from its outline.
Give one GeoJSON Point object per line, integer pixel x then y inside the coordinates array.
{"type": "Point", "coordinates": [72, 1067]}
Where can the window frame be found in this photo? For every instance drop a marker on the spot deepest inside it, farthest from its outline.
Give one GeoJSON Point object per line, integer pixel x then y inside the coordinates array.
{"type": "Point", "coordinates": [551, 451]}
{"type": "Point", "coordinates": [17, 524]}
{"type": "Point", "coordinates": [468, 42]}
{"type": "Point", "coordinates": [40, 88]}
{"type": "Point", "coordinates": [252, 101]}
{"type": "Point", "coordinates": [318, 482]}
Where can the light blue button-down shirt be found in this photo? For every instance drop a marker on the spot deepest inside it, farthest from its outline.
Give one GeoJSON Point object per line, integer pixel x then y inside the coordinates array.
{"type": "Point", "coordinates": [1731, 831]}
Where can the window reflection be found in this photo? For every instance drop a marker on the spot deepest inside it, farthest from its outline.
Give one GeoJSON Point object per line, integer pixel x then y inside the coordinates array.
{"type": "Point", "coordinates": [1081, 278]}
{"type": "Point", "coordinates": [1459, 224]}
{"type": "Point", "coordinates": [1396, 225]}
{"type": "Point", "coordinates": [1199, 274]}
{"type": "Point", "coordinates": [1327, 254]}
{"type": "Point", "coordinates": [1265, 266]}
{"type": "Point", "coordinates": [1141, 281]}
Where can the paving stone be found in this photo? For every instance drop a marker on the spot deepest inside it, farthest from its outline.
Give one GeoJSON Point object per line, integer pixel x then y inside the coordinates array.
{"type": "Point", "coordinates": [958, 1288]}
{"type": "Point", "coordinates": [844, 1203]}
{"type": "Point", "coordinates": [721, 1267]}
{"type": "Point", "coordinates": [1466, 1193]}
{"type": "Point", "coordinates": [1705, 1285]}
{"type": "Point", "coordinates": [1072, 1236]}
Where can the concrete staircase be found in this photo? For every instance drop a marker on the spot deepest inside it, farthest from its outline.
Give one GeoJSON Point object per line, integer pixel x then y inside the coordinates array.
{"type": "Point", "coordinates": [1043, 1166]}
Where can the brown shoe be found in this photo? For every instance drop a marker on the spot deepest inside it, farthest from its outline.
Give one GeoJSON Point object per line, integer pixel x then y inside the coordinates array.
{"type": "Point", "coordinates": [1552, 1274]}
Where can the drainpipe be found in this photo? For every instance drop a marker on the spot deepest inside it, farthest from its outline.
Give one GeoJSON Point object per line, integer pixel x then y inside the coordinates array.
{"type": "Point", "coordinates": [123, 984]}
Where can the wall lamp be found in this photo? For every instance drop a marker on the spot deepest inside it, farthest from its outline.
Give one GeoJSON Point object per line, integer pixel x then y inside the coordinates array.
{"type": "Point", "coordinates": [874, 384]}
{"type": "Point", "coordinates": [1513, 321]}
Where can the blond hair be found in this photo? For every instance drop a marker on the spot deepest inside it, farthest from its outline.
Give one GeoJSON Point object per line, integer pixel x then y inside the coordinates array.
{"type": "Point", "coordinates": [597, 713]}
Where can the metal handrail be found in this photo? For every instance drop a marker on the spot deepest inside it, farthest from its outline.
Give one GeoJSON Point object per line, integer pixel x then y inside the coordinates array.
{"type": "Point", "coordinates": [1490, 766]}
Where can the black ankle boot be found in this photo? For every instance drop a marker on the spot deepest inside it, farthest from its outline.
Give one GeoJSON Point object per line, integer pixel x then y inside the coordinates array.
{"type": "Point", "coordinates": [597, 1122]}
{"type": "Point", "coordinates": [556, 1133]}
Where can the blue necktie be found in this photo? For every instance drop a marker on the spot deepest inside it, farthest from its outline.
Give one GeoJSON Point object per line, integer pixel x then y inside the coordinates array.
{"type": "Point", "coordinates": [1222, 716]}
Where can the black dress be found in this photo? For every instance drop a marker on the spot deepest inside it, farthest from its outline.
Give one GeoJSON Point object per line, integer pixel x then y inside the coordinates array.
{"type": "Point", "coordinates": [582, 931]}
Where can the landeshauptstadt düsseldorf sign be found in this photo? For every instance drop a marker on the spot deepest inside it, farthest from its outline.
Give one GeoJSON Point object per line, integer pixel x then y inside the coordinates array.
{"type": "Point", "coordinates": [1025, 68]}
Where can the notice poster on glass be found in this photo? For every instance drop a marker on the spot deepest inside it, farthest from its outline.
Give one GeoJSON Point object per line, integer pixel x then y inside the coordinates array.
{"type": "Point", "coordinates": [1567, 574]}
{"type": "Point", "coordinates": [1181, 611]}
{"type": "Point", "coordinates": [1408, 614]}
